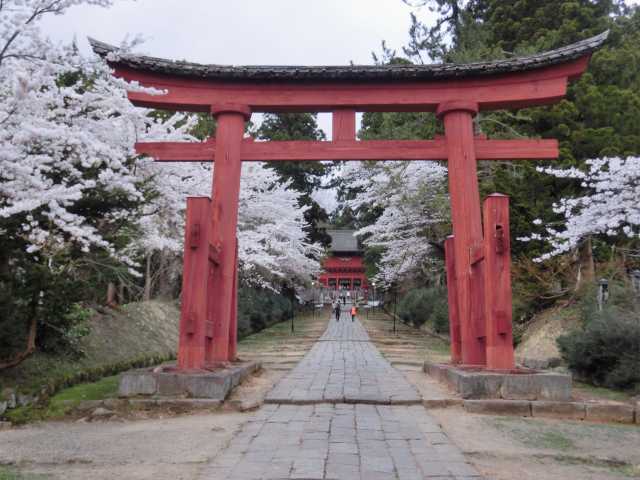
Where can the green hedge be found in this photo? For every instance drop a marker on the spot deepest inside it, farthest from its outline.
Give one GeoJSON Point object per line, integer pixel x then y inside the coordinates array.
{"type": "Point", "coordinates": [259, 309]}
{"type": "Point", "coordinates": [426, 305]}
{"type": "Point", "coordinates": [605, 350]}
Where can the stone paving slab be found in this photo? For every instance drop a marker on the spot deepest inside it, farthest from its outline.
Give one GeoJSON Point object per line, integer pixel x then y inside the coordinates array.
{"type": "Point", "coordinates": [342, 413]}
{"type": "Point", "coordinates": [344, 367]}
{"type": "Point", "coordinates": [345, 330]}
{"type": "Point", "coordinates": [342, 442]}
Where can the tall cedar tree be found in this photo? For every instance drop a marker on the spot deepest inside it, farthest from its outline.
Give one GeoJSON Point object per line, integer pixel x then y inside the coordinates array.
{"type": "Point", "coordinates": [304, 176]}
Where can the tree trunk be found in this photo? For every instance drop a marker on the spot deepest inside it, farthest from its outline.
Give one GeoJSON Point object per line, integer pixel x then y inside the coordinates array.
{"type": "Point", "coordinates": [165, 287]}
{"type": "Point", "coordinates": [147, 279]}
{"type": "Point", "coordinates": [31, 340]}
{"type": "Point", "coordinates": [111, 295]}
{"type": "Point", "coordinates": [586, 265]}
{"type": "Point", "coordinates": [121, 290]}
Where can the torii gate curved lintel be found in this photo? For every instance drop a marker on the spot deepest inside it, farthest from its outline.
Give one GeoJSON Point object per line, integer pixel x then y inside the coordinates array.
{"type": "Point", "coordinates": [477, 255]}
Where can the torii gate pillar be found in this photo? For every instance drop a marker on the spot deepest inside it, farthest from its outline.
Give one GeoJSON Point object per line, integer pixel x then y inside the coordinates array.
{"type": "Point", "coordinates": [467, 227]}
{"type": "Point", "coordinates": [209, 312]}
{"type": "Point", "coordinates": [224, 222]}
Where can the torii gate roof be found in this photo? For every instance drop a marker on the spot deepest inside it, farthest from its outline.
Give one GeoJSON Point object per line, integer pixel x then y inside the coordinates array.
{"type": "Point", "coordinates": [357, 73]}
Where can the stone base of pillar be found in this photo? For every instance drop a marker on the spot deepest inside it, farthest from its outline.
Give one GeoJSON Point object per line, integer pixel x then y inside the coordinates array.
{"type": "Point", "coordinates": [517, 384]}
{"type": "Point", "coordinates": [168, 381]}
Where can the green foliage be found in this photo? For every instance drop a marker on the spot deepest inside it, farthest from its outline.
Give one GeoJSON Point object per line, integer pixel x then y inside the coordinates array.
{"type": "Point", "coordinates": [8, 473]}
{"type": "Point", "coordinates": [135, 335]}
{"type": "Point", "coordinates": [77, 326]}
{"type": "Point", "coordinates": [398, 126]}
{"type": "Point", "coordinates": [260, 308]}
{"type": "Point", "coordinates": [606, 351]}
{"type": "Point", "coordinates": [599, 116]}
{"type": "Point", "coordinates": [66, 400]}
{"type": "Point", "coordinates": [48, 292]}
{"type": "Point", "coordinates": [304, 176]}
{"type": "Point", "coordinates": [522, 26]}
{"type": "Point", "coordinates": [426, 305]}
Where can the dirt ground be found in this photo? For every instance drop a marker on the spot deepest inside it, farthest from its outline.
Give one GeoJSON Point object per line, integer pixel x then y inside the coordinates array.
{"type": "Point", "coordinates": [158, 449]}
{"type": "Point", "coordinates": [155, 444]}
{"type": "Point", "coordinates": [168, 447]}
{"type": "Point", "coordinates": [506, 448]}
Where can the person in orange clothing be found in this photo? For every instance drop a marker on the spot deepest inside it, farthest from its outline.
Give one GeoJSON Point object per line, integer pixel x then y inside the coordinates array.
{"type": "Point", "coordinates": [354, 312]}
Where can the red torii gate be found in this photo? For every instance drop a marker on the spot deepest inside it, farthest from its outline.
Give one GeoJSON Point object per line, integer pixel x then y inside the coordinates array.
{"type": "Point", "coordinates": [478, 263]}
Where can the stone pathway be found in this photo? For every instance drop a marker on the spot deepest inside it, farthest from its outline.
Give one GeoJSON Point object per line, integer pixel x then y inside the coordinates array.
{"type": "Point", "coordinates": [344, 367]}
{"type": "Point", "coordinates": [343, 413]}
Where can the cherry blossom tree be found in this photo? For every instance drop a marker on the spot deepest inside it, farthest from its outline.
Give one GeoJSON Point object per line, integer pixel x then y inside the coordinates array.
{"type": "Point", "coordinates": [68, 132]}
{"type": "Point", "coordinates": [413, 202]}
{"type": "Point", "coordinates": [272, 240]}
{"type": "Point", "coordinates": [610, 206]}
{"type": "Point", "coordinates": [76, 202]}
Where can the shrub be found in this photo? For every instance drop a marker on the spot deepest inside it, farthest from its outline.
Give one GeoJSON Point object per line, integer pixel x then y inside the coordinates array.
{"type": "Point", "coordinates": [260, 308]}
{"type": "Point", "coordinates": [425, 305]}
{"type": "Point", "coordinates": [606, 350]}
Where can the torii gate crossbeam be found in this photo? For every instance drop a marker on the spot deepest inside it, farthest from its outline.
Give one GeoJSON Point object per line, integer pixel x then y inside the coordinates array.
{"type": "Point", "coordinates": [477, 255]}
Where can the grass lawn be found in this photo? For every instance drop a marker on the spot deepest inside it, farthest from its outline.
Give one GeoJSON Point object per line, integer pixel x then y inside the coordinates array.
{"type": "Point", "coordinates": [65, 401]}
{"type": "Point", "coordinates": [7, 473]}
{"type": "Point", "coordinates": [600, 393]}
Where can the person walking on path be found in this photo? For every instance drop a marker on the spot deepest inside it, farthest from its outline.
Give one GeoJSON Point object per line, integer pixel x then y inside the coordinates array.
{"type": "Point", "coordinates": [354, 312]}
{"type": "Point", "coordinates": [336, 310]}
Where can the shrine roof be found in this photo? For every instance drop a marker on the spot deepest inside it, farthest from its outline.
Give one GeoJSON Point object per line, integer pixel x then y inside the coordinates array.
{"type": "Point", "coordinates": [259, 73]}
{"type": "Point", "coordinates": [343, 241]}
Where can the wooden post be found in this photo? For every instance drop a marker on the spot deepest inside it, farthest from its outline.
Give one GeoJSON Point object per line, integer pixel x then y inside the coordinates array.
{"type": "Point", "coordinates": [343, 125]}
{"type": "Point", "coordinates": [498, 308]}
{"type": "Point", "coordinates": [111, 295]}
{"type": "Point", "coordinates": [195, 276]}
{"type": "Point", "coordinates": [452, 297]}
{"type": "Point", "coordinates": [467, 226]}
{"type": "Point", "coordinates": [224, 220]}
{"type": "Point", "coordinates": [233, 325]}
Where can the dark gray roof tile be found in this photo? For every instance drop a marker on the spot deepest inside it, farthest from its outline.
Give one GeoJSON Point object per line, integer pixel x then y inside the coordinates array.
{"type": "Point", "coordinates": [346, 73]}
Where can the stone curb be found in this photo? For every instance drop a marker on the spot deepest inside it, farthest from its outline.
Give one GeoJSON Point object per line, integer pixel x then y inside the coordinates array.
{"type": "Point", "coordinates": [336, 401]}
{"type": "Point", "coordinates": [521, 408]}
{"type": "Point", "coordinates": [442, 402]}
{"type": "Point", "coordinates": [590, 412]}
{"type": "Point", "coordinates": [215, 385]}
{"type": "Point", "coordinates": [116, 403]}
{"type": "Point", "coordinates": [191, 403]}
{"type": "Point", "coordinates": [488, 385]}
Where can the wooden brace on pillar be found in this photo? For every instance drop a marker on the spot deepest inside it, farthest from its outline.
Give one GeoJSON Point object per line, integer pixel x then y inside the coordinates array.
{"type": "Point", "coordinates": [452, 298]}
{"type": "Point", "coordinates": [194, 339]}
{"type": "Point", "coordinates": [497, 259]}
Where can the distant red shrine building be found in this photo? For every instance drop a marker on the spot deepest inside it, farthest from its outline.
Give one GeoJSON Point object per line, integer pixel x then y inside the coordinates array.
{"type": "Point", "coordinates": [344, 269]}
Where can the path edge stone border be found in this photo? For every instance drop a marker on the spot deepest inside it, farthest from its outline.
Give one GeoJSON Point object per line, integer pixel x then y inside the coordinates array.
{"type": "Point", "coordinates": [586, 411]}
{"type": "Point", "coordinates": [215, 385]}
{"type": "Point", "coordinates": [479, 384]}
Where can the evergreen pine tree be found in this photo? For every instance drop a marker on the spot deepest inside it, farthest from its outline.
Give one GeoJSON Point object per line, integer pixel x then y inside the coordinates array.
{"type": "Point", "coordinates": [304, 176]}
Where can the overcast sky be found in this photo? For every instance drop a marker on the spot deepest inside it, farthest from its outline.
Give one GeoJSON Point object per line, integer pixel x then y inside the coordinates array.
{"type": "Point", "coordinates": [244, 31]}
{"type": "Point", "coordinates": [274, 32]}
{"type": "Point", "coordinates": [311, 32]}
{"type": "Point", "coordinates": [267, 32]}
